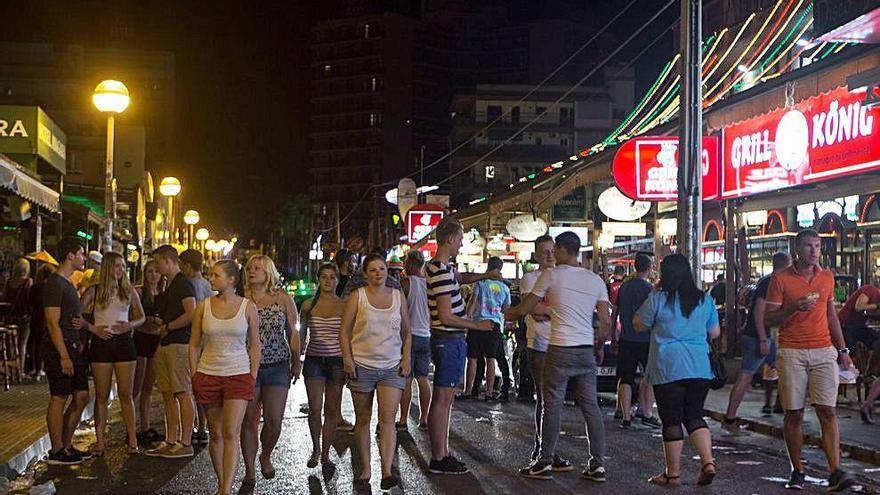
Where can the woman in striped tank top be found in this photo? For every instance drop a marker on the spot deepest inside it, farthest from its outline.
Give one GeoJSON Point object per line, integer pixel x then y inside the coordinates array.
{"type": "Point", "coordinates": [322, 369]}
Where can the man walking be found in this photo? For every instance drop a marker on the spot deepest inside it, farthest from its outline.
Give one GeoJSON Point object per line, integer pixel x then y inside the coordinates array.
{"type": "Point", "coordinates": [65, 366]}
{"type": "Point", "coordinates": [191, 262]}
{"type": "Point", "coordinates": [800, 301]}
{"type": "Point", "coordinates": [575, 293]}
{"type": "Point", "coordinates": [488, 301]}
{"type": "Point", "coordinates": [632, 348]}
{"type": "Point", "coordinates": [173, 374]}
{"type": "Point", "coordinates": [758, 347]}
{"type": "Point", "coordinates": [448, 348]}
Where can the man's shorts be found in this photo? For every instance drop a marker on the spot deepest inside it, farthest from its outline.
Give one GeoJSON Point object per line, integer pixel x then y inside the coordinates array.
{"type": "Point", "coordinates": [751, 354]}
{"type": "Point", "coordinates": [482, 344]}
{"type": "Point", "coordinates": [629, 356]}
{"type": "Point", "coordinates": [59, 383]}
{"type": "Point", "coordinates": [420, 357]}
{"type": "Point", "coordinates": [327, 368]}
{"type": "Point", "coordinates": [173, 374]}
{"type": "Point", "coordinates": [211, 390]}
{"type": "Point", "coordinates": [449, 355]}
{"type": "Point", "coordinates": [801, 370]}
{"type": "Point", "coordinates": [274, 375]}
{"type": "Point", "coordinates": [368, 379]}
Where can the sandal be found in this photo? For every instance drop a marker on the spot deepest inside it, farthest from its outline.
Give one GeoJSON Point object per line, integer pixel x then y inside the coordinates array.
{"type": "Point", "coordinates": [664, 479]}
{"type": "Point", "coordinates": [248, 482]}
{"type": "Point", "coordinates": [706, 477]}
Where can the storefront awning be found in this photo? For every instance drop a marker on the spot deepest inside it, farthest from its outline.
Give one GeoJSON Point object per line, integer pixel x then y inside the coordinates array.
{"type": "Point", "coordinates": [27, 187]}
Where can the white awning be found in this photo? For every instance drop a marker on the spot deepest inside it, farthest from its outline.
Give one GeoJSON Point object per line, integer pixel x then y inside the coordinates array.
{"type": "Point", "coordinates": [13, 178]}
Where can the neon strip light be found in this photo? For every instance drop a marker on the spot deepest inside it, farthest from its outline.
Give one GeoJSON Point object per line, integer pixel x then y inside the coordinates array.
{"type": "Point", "coordinates": [663, 108]}
{"type": "Point", "coordinates": [864, 214]}
{"type": "Point", "coordinates": [841, 47]}
{"type": "Point", "coordinates": [830, 49]}
{"type": "Point", "coordinates": [791, 33]}
{"type": "Point", "coordinates": [730, 47]}
{"type": "Point", "coordinates": [632, 115]}
{"type": "Point", "coordinates": [818, 50]}
{"type": "Point", "coordinates": [665, 96]}
{"type": "Point", "coordinates": [737, 77]}
{"type": "Point", "coordinates": [742, 55]}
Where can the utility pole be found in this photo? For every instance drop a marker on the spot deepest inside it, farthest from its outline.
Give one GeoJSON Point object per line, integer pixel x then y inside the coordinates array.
{"type": "Point", "coordinates": [690, 176]}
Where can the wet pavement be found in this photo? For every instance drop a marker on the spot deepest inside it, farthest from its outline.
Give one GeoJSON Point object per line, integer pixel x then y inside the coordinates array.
{"type": "Point", "coordinates": [493, 439]}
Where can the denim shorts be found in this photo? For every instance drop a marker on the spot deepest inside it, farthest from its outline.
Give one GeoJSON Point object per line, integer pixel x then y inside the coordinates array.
{"type": "Point", "coordinates": [274, 375]}
{"type": "Point", "coordinates": [752, 358]}
{"type": "Point", "coordinates": [328, 368]}
{"type": "Point", "coordinates": [368, 379]}
{"type": "Point", "coordinates": [420, 357]}
{"type": "Point", "coordinates": [449, 355]}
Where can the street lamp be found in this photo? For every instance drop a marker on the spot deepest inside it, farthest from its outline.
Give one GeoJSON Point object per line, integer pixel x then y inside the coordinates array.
{"type": "Point", "coordinates": [202, 235]}
{"type": "Point", "coordinates": [169, 187]}
{"type": "Point", "coordinates": [110, 97]}
{"type": "Point", "coordinates": [191, 218]}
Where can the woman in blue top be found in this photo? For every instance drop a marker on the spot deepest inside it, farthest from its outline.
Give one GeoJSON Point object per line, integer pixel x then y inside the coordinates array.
{"type": "Point", "coordinates": [680, 317]}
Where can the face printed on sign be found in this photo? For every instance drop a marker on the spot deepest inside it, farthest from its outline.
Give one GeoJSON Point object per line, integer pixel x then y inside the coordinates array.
{"type": "Point", "coordinates": [792, 141]}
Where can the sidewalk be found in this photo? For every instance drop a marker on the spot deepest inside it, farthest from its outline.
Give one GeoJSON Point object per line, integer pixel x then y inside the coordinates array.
{"type": "Point", "coordinates": [857, 439]}
{"type": "Point", "coordinates": [23, 424]}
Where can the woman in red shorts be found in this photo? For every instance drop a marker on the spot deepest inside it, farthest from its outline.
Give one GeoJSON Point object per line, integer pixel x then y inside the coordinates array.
{"type": "Point", "coordinates": [225, 367]}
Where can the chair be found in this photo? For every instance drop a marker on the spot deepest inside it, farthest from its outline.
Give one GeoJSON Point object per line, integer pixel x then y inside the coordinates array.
{"type": "Point", "coordinates": [11, 359]}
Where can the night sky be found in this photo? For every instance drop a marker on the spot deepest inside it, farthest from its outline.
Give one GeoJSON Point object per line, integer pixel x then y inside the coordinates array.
{"type": "Point", "coordinates": [241, 82]}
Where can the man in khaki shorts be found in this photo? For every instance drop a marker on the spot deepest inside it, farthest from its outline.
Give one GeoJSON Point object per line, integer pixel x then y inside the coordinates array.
{"type": "Point", "coordinates": [800, 301]}
{"type": "Point", "coordinates": [173, 374]}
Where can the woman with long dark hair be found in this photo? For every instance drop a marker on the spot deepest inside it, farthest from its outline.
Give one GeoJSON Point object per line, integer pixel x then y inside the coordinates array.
{"type": "Point", "coordinates": [18, 313]}
{"type": "Point", "coordinates": [117, 312]}
{"type": "Point", "coordinates": [146, 341]}
{"type": "Point", "coordinates": [322, 369]}
{"type": "Point", "coordinates": [681, 319]}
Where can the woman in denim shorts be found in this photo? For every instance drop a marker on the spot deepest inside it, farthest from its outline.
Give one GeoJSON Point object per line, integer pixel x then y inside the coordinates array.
{"type": "Point", "coordinates": [376, 341]}
{"type": "Point", "coordinates": [279, 364]}
{"type": "Point", "coordinates": [322, 369]}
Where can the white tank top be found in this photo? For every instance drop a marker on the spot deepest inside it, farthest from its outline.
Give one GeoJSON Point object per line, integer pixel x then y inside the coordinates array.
{"type": "Point", "coordinates": [115, 311]}
{"type": "Point", "coordinates": [375, 341]}
{"type": "Point", "coordinates": [225, 350]}
{"type": "Point", "coordinates": [417, 305]}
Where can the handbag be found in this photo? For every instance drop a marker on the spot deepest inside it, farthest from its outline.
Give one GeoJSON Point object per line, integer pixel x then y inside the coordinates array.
{"type": "Point", "coordinates": [719, 373]}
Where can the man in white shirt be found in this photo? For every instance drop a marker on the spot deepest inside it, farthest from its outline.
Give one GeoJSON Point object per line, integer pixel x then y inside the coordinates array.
{"type": "Point", "coordinates": [574, 294]}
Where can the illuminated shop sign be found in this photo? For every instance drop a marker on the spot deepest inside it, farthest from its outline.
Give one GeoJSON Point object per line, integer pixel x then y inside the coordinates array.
{"type": "Point", "coordinates": [646, 168]}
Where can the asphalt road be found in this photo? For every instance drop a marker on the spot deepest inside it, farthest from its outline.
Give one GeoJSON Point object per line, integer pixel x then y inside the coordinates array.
{"type": "Point", "coordinates": [493, 439]}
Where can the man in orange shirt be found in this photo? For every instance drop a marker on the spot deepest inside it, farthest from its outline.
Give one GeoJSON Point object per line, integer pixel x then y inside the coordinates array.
{"type": "Point", "coordinates": [800, 301]}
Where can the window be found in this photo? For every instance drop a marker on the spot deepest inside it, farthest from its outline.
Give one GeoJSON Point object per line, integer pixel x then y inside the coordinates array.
{"type": "Point", "coordinates": [540, 110]}
{"type": "Point", "coordinates": [373, 83]}
{"type": "Point", "coordinates": [538, 141]}
{"type": "Point", "coordinates": [366, 31]}
{"type": "Point", "coordinates": [514, 115]}
{"type": "Point", "coordinates": [563, 142]}
{"type": "Point", "coordinates": [327, 69]}
{"type": "Point", "coordinates": [375, 119]}
{"type": "Point", "coordinates": [493, 112]}
{"type": "Point", "coordinates": [564, 116]}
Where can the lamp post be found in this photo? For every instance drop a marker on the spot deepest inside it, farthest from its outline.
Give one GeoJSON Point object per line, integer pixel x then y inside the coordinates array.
{"type": "Point", "coordinates": [110, 97]}
{"type": "Point", "coordinates": [202, 235]}
{"type": "Point", "coordinates": [190, 218]}
{"type": "Point", "coordinates": [169, 187]}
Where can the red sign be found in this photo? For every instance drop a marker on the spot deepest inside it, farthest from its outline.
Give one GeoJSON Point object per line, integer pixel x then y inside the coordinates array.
{"type": "Point", "coordinates": [421, 220]}
{"type": "Point", "coordinates": [827, 136]}
{"type": "Point", "coordinates": [646, 168]}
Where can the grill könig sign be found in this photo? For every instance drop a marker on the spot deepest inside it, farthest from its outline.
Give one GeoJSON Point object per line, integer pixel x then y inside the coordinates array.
{"type": "Point", "coordinates": [824, 137]}
{"type": "Point", "coordinates": [646, 168]}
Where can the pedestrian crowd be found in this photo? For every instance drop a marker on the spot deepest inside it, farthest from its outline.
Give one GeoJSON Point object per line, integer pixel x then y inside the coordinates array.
{"type": "Point", "coordinates": [224, 352]}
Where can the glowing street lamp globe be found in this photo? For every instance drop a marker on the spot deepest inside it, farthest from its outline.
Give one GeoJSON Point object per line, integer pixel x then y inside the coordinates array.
{"type": "Point", "coordinates": [191, 217]}
{"type": "Point", "coordinates": [202, 234]}
{"type": "Point", "coordinates": [211, 245]}
{"type": "Point", "coordinates": [169, 186]}
{"type": "Point", "coordinates": [111, 96]}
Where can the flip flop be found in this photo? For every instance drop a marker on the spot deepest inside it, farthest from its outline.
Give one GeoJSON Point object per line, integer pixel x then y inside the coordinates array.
{"type": "Point", "coordinates": [664, 479]}
{"type": "Point", "coordinates": [706, 477]}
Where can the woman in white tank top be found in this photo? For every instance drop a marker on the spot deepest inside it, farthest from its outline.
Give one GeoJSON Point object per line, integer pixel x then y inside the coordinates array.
{"type": "Point", "coordinates": [375, 341]}
{"type": "Point", "coordinates": [224, 353]}
{"type": "Point", "coordinates": [116, 310]}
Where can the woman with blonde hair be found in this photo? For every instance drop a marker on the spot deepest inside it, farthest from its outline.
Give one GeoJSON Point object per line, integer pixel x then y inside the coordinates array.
{"type": "Point", "coordinates": [18, 313]}
{"type": "Point", "coordinates": [375, 340]}
{"type": "Point", "coordinates": [146, 341]}
{"type": "Point", "coordinates": [225, 369]}
{"type": "Point", "coordinates": [279, 364]}
{"type": "Point", "coordinates": [116, 310]}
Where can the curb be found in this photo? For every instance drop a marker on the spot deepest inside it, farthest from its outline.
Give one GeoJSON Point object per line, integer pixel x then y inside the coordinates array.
{"type": "Point", "coordinates": [856, 452]}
